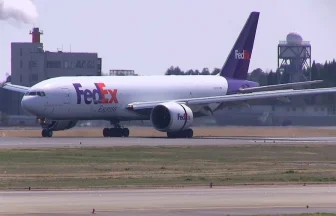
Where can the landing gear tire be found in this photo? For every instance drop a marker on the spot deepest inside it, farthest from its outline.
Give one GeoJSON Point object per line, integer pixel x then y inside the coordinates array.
{"type": "Point", "coordinates": [125, 132]}
{"type": "Point", "coordinates": [116, 132]}
{"type": "Point", "coordinates": [189, 133]}
{"type": "Point", "coordinates": [106, 132]}
{"type": "Point", "coordinates": [181, 134]}
{"type": "Point", "coordinates": [47, 133]}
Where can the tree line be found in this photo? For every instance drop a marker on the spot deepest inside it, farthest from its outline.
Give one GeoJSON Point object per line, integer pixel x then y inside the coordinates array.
{"type": "Point", "coordinates": [177, 71]}
{"type": "Point", "coordinates": [318, 71]}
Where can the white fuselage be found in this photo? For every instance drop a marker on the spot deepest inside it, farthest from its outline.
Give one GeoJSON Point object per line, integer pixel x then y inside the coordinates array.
{"type": "Point", "coordinates": [62, 101]}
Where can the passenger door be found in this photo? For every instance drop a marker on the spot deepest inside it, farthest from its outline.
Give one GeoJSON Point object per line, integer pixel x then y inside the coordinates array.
{"type": "Point", "coordinates": [66, 99]}
{"type": "Point", "coordinates": [49, 106]}
{"type": "Point", "coordinates": [66, 94]}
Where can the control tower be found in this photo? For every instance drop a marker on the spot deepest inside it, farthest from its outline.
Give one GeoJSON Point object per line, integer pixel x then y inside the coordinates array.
{"type": "Point", "coordinates": [294, 55]}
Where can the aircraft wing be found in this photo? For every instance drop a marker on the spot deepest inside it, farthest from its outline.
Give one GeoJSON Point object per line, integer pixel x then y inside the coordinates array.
{"type": "Point", "coordinates": [278, 87]}
{"type": "Point", "coordinates": [235, 97]}
{"type": "Point", "coordinates": [16, 88]}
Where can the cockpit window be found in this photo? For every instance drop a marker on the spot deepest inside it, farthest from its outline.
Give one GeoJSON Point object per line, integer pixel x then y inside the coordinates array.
{"type": "Point", "coordinates": [33, 93]}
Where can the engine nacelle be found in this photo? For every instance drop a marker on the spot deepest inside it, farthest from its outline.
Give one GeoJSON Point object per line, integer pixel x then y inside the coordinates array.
{"type": "Point", "coordinates": [60, 125]}
{"type": "Point", "coordinates": [171, 116]}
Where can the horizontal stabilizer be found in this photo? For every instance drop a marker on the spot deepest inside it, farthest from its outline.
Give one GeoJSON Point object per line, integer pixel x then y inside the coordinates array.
{"type": "Point", "coordinates": [16, 88]}
{"type": "Point", "coordinates": [278, 87]}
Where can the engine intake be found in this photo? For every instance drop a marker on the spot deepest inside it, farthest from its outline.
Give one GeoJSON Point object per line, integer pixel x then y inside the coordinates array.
{"type": "Point", "coordinates": [171, 116]}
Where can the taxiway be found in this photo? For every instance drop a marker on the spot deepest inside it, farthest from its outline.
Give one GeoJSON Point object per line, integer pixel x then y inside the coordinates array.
{"type": "Point", "coordinates": [64, 142]}
{"type": "Point", "coordinates": [180, 201]}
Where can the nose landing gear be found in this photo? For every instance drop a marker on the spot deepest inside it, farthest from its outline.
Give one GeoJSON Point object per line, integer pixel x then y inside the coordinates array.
{"type": "Point", "coordinates": [44, 124]}
{"type": "Point", "coordinates": [47, 133]}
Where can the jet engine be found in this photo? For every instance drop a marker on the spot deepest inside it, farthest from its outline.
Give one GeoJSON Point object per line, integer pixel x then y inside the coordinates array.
{"type": "Point", "coordinates": [171, 116]}
{"type": "Point", "coordinates": [59, 125]}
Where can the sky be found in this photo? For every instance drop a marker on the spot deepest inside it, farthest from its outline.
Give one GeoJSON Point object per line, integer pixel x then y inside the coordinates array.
{"type": "Point", "coordinates": [149, 36]}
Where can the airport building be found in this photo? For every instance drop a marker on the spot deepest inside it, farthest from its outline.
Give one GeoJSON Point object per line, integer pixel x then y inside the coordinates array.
{"type": "Point", "coordinates": [31, 64]}
{"type": "Point", "coordinates": [122, 73]}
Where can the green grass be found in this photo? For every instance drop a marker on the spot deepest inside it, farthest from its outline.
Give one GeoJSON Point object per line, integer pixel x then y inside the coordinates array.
{"type": "Point", "coordinates": [166, 166]}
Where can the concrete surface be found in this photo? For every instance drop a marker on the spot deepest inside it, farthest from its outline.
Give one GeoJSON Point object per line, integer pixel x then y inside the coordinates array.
{"type": "Point", "coordinates": [242, 200]}
{"type": "Point", "coordinates": [198, 131]}
{"type": "Point", "coordinates": [180, 201]}
{"type": "Point", "coordinates": [60, 142]}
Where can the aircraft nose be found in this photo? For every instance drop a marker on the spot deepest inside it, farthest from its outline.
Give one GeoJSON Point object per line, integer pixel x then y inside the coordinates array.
{"type": "Point", "coordinates": [27, 103]}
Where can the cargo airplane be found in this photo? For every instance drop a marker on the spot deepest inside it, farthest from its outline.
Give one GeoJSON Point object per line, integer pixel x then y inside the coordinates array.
{"type": "Point", "coordinates": [170, 102]}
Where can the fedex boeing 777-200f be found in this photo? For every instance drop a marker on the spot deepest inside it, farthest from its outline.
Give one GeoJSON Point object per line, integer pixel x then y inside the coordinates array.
{"type": "Point", "coordinates": [169, 102]}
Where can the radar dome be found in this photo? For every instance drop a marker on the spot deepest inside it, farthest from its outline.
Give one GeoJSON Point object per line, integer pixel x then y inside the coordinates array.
{"type": "Point", "coordinates": [294, 38]}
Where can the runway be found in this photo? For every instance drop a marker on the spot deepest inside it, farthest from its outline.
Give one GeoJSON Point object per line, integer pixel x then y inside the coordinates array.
{"type": "Point", "coordinates": [239, 200]}
{"type": "Point", "coordinates": [181, 201]}
{"type": "Point", "coordinates": [61, 142]}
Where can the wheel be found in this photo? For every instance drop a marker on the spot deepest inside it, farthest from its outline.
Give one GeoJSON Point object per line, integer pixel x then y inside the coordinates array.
{"type": "Point", "coordinates": [50, 133]}
{"type": "Point", "coordinates": [115, 132]}
{"type": "Point", "coordinates": [175, 134]}
{"type": "Point", "coordinates": [170, 134]}
{"type": "Point", "coordinates": [181, 134]}
{"type": "Point", "coordinates": [111, 132]}
{"type": "Point", "coordinates": [125, 132]}
{"type": "Point", "coordinates": [106, 132]}
{"type": "Point", "coordinates": [47, 133]}
{"type": "Point", "coordinates": [189, 133]}
{"type": "Point", "coordinates": [44, 133]}
{"type": "Point", "coordinates": [119, 132]}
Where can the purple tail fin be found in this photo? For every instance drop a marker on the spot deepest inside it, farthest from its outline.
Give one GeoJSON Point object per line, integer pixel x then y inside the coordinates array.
{"type": "Point", "coordinates": [237, 63]}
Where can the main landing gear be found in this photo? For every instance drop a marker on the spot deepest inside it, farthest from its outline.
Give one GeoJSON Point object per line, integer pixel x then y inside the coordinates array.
{"type": "Point", "coordinates": [181, 134]}
{"type": "Point", "coordinates": [47, 133]}
{"type": "Point", "coordinates": [117, 131]}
